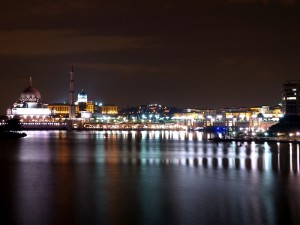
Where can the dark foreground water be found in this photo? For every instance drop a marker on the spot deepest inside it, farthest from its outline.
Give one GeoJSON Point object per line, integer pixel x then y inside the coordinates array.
{"type": "Point", "coordinates": [57, 177]}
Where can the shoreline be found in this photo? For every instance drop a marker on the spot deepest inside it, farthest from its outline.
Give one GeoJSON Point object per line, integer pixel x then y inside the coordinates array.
{"type": "Point", "coordinates": [256, 140]}
{"type": "Point", "coordinates": [4, 135]}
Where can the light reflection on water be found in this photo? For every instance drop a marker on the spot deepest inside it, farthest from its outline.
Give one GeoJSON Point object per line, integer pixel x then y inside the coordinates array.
{"type": "Point", "coordinates": [119, 177]}
{"type": "Point", "coordinates": [155, 147]}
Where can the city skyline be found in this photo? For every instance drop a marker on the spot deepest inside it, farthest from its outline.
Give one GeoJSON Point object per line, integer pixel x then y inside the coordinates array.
{"type": "Point", "coordinates": [191, 54]}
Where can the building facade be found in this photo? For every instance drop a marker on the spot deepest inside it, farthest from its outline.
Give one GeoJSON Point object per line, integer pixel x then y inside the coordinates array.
{"type": "Point", "coordinates": [83, 108]}
{"type": "Point", "coordinates": [291, 97]}
{"type": "Point", "coordinates": [109, 109]}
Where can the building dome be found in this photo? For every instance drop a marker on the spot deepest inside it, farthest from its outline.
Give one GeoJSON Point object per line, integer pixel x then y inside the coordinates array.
{"type": "Point", "coordinates": [82, 93]}
{"type": "Point", "coordinates": [30, 94]}
{"type": "Point", "coordinates": [82, 96]}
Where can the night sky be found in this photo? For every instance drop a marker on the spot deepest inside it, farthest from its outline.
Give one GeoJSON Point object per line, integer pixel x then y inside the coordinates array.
{"type": "Point", "coordinates": [191, 53]}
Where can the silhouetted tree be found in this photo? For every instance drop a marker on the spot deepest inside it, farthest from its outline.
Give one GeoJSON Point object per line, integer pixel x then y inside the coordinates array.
{"type": "Point", "coordinates": [289, 123]}
{"type": "Point", "coordinates": [13, 125]}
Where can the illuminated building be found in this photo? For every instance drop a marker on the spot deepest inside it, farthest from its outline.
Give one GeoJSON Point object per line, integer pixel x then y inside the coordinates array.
{"type": "Point", "coordinates": [60, 110]}
{"type": "Point", "coordinates": [255, 118]}
{"type": "Point", "coordinates": [29, 107]}
{"type": "Point", "coordinates": [109, 109]}
{"type": "Point", "coordinates": [291, 97]}
{"type": "Point", "coordinates": [82, 100]}
{"type": "Point", "coordinates": [83, 107]}
{"type": "Point", "coordinates": [90, 106]}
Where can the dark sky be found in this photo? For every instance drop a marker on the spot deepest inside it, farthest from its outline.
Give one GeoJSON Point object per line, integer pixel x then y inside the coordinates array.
{"type": "Point", "coordinates": [189, 53]}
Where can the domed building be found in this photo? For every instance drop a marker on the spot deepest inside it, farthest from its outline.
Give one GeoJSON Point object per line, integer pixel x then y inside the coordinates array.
{"type": "Point", "coordinates": [29, 107]}
{"type": "Point", "coordinates": [82, 97]}
{"type": "Point", "coordinates": [83, 105]}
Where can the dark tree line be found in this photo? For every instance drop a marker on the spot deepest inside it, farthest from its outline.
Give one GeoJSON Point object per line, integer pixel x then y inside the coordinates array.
{"type": "Point", "coordinates": [11, 125]}
{"type": "Point", "coordinates": [286, 124]}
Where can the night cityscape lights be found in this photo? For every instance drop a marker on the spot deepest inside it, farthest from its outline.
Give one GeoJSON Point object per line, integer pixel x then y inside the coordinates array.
{"type": "Point", "coordinates": [88, 114]}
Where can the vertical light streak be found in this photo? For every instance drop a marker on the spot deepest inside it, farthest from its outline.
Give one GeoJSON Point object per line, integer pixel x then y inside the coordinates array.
{"type": "Point", "coordinates": [297, 158]}
{"type": "Point", "coordinates": [291, 157]}
{"type": "Point", "coordinates": [278, 156]}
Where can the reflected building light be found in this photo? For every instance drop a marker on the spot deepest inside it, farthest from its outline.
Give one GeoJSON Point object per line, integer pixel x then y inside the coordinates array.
{"type": "Point", "coordinates": [297, 158]}
{"type": "Point", "coordinates": [254, 159]}
{"type": "Point", "coordinates": [242, 163]}
{"type": "Point", "coordinates": [199, 135]}
{"type": "Point", "coordinates": [144, 161]}
{"type": "Point", "coordinates": [190, 136]}
{"type": "Point", "coordinates": [208, 136]}
{"type": "Point", "coordinates": [151, 161]}
{"type": "Point", "coordinates": [100, 159]}
{"type": "Point", "coordinates": [218, 161]}
{"type": "Point", "coordinates": [182, 135]}
{"type": "Point", "coordinates": [133, 161]}
{"type": "Point", "coordinates": [267, 160]}
{"type": "Point", "coordinates": [151, 135]}
{"type": "Point", "coordinates": [278, 157]}
{"type": "Point", "coordinates": [182, 161]}
{"type": "Point", "coordinates": [175, 161]}
{"type": "Point", "coordinates": [291, 157]}
{"type": "Point", "coordinates": [133, 134]}
{"type": "Point", "coordinates": [167, 161]}
{"type": "Point", "coordinates": [175, 135]}
{"type": "Point", "coordinates": [157, 133]}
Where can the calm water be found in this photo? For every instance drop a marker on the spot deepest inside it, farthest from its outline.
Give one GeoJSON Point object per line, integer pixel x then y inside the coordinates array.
{"type": "Point", "coordinates": [57, 177]}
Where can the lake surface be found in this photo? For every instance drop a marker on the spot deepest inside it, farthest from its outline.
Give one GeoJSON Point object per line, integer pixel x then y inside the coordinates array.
{"type": "Point", "coordinates": [59, 177]}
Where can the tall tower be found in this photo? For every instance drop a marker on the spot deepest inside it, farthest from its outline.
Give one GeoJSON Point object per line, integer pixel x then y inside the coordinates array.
{"type": "Point", "coordinates": [291, 97]}
{"type": "Point", "coordinates": [72, 111]}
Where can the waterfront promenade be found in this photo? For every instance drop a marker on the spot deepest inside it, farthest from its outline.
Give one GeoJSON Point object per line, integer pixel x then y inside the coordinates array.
{"type": "Point", "coordinates": [150, 127]}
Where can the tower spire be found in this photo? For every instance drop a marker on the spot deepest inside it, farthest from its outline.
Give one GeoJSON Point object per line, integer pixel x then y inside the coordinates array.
{"type": "Point", "coordinates": [72, 111]}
